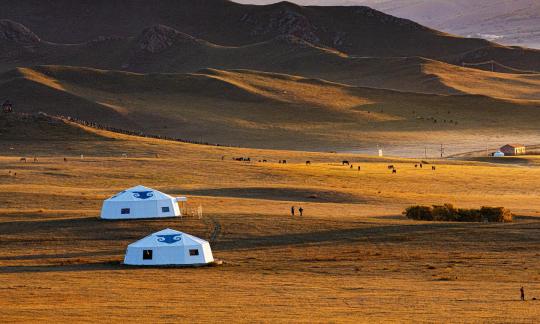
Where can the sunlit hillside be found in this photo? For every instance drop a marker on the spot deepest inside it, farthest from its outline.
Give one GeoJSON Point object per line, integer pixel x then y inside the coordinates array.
{"type": "Point", "coordinates": [249, 108]}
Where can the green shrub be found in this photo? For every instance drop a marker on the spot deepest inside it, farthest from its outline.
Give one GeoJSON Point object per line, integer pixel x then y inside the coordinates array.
{"type": "Point", "coordinates": [448, 213]}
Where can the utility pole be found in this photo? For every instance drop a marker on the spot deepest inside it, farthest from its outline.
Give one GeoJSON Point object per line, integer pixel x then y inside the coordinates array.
{"type": "Point", "coordinates": [442, 150]}
{"type": "Point", "coordinates": [425, 152]}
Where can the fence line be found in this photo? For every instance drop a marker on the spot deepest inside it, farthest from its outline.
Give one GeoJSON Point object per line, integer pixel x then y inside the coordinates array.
{"type": "Point", "coordinates": [130, 132]}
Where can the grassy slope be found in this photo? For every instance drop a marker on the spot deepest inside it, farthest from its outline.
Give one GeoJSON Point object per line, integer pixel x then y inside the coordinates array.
{"type": "Point", "coordinates": [357, 31]}
{"type": "Point", "coordinates": [249, 108]}
{"type": "Point", "coordinates": [285, 54]}
{"type": "Point", "coordinates": [352, 256]}
{"type": "Point", "coordinates": [363, 31]}
{"type": "Point", "coordinates": [497, 85]}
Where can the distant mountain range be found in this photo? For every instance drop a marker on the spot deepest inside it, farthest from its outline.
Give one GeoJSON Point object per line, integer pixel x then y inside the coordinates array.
{"type": "Point", "coordinates": [62, 32]}
{"type": "Point", "coordinates": [515, 22]}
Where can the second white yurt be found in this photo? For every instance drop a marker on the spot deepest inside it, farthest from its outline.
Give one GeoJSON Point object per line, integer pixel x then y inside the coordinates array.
{"type": "Point", "coordinates": [141, 202]}
{"type": "Point", "coordinates": [169, 247]}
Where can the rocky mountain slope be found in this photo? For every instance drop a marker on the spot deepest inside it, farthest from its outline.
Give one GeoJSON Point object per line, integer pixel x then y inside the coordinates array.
{"type": "Point", "coordinates": [507, 22]}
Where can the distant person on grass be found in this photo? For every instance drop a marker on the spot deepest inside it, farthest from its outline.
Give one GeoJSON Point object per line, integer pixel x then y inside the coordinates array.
{"type": "Point", "coordinates": [522, 291]}
{"type": "Point", "coordinates": [292, 211]}
{"type": "Point", "coordinates": [301, 210]}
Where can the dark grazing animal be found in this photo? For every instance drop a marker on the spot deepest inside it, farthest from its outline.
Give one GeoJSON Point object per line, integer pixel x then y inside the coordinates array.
{"type": "Point", "coordinates": [344, 162]}
{"type": "Point", "coordinates": [390, 167]}
{"type": "Point", "coordinates": [308, 162]}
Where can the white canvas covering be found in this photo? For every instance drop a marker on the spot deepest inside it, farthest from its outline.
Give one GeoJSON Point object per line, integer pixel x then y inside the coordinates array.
{"type": "Point", "coordinates": [140, 202]}
{"type": "Point", "coordinates": [498, 154]}
{"type": "Point", "coordinates": [169, 247]}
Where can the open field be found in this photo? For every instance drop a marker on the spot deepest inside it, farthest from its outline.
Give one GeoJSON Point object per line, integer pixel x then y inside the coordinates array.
{"type": "Point", "coordinates": [351, 258]}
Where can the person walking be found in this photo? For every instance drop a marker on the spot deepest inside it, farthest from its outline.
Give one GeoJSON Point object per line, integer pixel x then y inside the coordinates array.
{"type": "Point", "coordinates": [292, 211]}
{"type": "Point", "coordinates": [522, 291]}
{"type": "Point", "coordinates": [301, 210]}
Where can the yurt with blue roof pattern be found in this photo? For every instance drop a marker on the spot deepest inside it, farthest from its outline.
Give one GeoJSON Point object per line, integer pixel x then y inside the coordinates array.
{"type": "Point", "coordinates": [141, 202]}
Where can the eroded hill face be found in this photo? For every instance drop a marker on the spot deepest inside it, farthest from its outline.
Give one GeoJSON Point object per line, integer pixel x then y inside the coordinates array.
{"type": "Point", "coordinates": [354, 30]}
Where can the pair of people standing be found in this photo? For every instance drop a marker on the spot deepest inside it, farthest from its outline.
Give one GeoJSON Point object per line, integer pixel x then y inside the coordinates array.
{"type": "Point", "coordinates": [300, 210]}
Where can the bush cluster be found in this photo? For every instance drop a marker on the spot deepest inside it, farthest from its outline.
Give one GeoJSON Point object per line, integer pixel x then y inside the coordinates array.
{"type": "Point", "coordinates": [448, 213]}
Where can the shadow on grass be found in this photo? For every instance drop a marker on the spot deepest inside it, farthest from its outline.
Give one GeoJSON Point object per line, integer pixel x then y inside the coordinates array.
{"type": "Point", "coordinates": [280, 194]}
{"type": "Point", "coordinates": [109, 239]}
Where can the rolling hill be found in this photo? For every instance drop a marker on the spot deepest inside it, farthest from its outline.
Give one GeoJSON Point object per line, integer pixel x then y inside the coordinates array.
{"type": "Point", "coordinates": [359, 31]}
{"type": "Point", "coordinates": [267, 110]}
{"type": "Point", "coordinates": [507, 22]}
{"type": "Point", "coordinates": [161, 49]}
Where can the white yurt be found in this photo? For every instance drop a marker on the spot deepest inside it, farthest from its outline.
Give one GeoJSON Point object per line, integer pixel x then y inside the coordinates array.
{"type": "Point", "coordinates": [169, 247]}
{"type": "Point", "coordinates": [498, 154]}
{"type": "Point", "coordinates": [141, 202]}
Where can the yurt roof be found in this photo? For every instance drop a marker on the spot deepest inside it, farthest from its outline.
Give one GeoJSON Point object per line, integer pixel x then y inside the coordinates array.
{"type": "Point", "coordinates": [139, 193]}
{"type": "Point", "coordinates": [168, 237]}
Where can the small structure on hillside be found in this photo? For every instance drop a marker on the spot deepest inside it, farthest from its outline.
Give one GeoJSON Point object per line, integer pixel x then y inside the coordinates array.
{"type": "Point", "coordinates": [498, 154]}
{"type": "Point", "coordinates": [169, 247]}
{"type": "Point", "coordinates": [7, 106]}
{"type": "Point", "coordinates": [513, 149]}
{"type": "Point", "coordinates": [141, 202]}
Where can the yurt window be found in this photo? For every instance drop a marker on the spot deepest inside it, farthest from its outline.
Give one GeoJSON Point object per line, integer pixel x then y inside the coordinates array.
{"type": "Point", "coordinates": [194, 252]}
{"type": "Point", "coordinates": [147, 255]}
{"type": "Point", "coordinates": [165, 209]}
{"type": "Point", "coordinates": [125, 211]}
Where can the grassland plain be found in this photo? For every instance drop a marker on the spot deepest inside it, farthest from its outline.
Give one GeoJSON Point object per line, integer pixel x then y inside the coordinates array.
{"type": "Point", "coordinates": [352, 258]}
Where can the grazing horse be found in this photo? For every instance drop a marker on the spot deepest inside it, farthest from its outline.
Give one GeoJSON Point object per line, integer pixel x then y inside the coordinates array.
{"type": "Point", "coordinates": [284, 162]}
{"type": "Point", "coordinates": [433, 167]}
{"type": "Point", "coordinates": [65, 159]}
{"type": "Point", "coordinates": [344, 162]}
{"type": "Point", "coordinates": [390, 167]}
{"type": "Point", "coordinates": [394, 171]}
{"type": "Point", "coordinates": [23, 159]}
{"type": "Point", "coordinates": [308, 162]}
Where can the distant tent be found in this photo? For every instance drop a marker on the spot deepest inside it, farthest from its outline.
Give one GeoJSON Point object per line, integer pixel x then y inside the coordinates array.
{"type": "Point", "coordinates": [140, 202]}
{"type": "Point", "coordinates": [498, 154]}
{"type": "Point", "coordinates": [169, 247]}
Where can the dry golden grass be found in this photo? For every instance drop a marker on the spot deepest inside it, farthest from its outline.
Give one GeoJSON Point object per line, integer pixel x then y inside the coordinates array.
{"type": "Point", "coordinates": [351, 258]}
{"type": "Point", "coordinates": [497, 85]}
{"type": "Point", "coordinates": [265, 110]}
